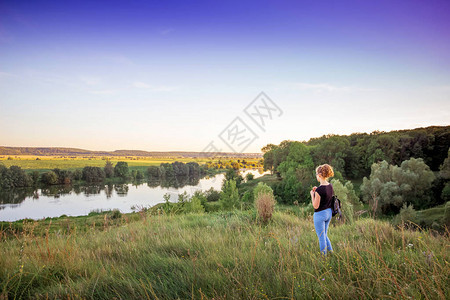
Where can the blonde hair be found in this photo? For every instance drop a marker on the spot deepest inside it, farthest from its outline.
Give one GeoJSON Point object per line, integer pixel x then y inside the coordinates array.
{"type": "Point", "coordinates": [325, 171]}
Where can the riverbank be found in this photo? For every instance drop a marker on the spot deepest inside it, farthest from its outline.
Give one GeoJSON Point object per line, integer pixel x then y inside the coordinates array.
{"type": "Point", "coordinates": [223, 255]}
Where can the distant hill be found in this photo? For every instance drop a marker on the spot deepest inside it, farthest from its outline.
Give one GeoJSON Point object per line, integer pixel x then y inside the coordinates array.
{"type": "Point", "coordinates": [53, 151]}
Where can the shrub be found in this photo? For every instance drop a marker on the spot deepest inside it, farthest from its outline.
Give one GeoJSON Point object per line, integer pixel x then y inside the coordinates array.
{"type": "Point", "coordinates": [153, 171]}
{"type": "Point", "coordinates": [35, 177]}
{"type": "Point", "coordinates": [139, 175]}
{"type": "Point", "coordinates": [262, 188]}
{"type": "Point", "coordinates": [49, 177]}
{"type": "Point", "coordinates": [212, 195]}
{"type": "Point", "coordinates": [77, 174]}
{"type": "Point", "coordinates": [116, 214]}
{"type": "Point", "coordinates": [407, 215]}
{"type": "Point", "coordinates": [249, 176]}
{"type": "Point", "coordinates": [446, 218]}
{"type": "Point", "coordinates": [265, 203]}
{"type": "Point", "coordinates": [390, 186]}
{"type": "Point", "coordinates": [109, 169]}
{"type": "Point", "coordinates": [229, 198]}
{"type": "Point", "coordinates": [121, 169]}
{"type": "Point", "coordinates": [195, 204]}
{"type": "Point", "coordinates": [93, 174]}
{"type": "Point", "coordinates": [247, 197]}
{"type": "Point", "coordinates": [347, 195]}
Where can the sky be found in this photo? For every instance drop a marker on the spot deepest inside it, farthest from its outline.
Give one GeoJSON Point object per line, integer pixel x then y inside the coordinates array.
{"type": "Point", "coordinates": [185, 75]}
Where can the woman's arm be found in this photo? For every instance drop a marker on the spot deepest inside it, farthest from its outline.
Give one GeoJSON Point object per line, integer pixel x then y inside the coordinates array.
{"type": "Point", "coordinates": [315, 198]}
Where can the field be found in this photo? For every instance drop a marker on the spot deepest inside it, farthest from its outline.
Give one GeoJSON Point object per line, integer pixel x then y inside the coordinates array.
{"type": "Point", "coordinates": [46, 163]}
{"type": "Point", "coordinates": [226, 255]}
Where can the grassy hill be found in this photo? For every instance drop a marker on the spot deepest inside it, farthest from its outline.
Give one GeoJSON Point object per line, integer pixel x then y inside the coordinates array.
{"type": "Point", "coordinates": [226, 255]}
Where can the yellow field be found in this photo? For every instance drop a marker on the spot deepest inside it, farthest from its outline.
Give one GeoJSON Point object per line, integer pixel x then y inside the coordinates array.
{"type": "Point", "coordinates": [34, 162]}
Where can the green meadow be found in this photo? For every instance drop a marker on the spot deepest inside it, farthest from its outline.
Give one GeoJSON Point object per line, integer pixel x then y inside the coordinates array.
{"type": "Point", "coordinates": [47, 163]}
{"type": "Point", "coordinates": [221, 255]}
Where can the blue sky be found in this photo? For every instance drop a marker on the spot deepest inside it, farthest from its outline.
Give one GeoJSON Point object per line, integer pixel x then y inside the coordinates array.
{"type": "Point", "coordinates": [172, 75]}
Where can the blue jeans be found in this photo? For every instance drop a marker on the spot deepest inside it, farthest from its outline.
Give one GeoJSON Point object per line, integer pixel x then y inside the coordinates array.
{"type": "Point", "coordinates": [321, 221]}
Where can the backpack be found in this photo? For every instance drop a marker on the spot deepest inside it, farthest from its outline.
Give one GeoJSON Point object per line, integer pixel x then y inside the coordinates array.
{"type": "Point", "coordinates": [336, 207]}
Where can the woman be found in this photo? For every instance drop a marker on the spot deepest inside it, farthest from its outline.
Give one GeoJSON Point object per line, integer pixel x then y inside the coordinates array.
{"type": "Point", "coordinates": [321, 200]}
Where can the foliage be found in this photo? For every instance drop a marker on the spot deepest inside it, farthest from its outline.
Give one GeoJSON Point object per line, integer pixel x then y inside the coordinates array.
{"type": "Point", "coordinates": [49, 178]}
{"type": "Point", "coordinates": [93, 174]}
{"type": "Point", "coordinates": [77, 174]}
{"type": "Point", "coordinates": [249, 176]}
{"type": "Point", "coordinates": [390, 186]}
{"type": "Point", "coordinates": [153, 171]}
{"type": "Point", "coordinates": [212, 195]}
{"type": "Point", "coordinates": [406, 216]}
{"type": "Point", "coordinates": [264, 201]}
{"type": "Point", "coordinates": [64, 176]}
{"type": "Point", "coordinates": [233, 174]}
{"type": "Point", "coordinates": [13, 177]}
{"type": "Point", "coordinates": [229, 198]}
{"type": "Point", "coordinates": [121, 169]}
{"type": "Point", "coordinates": [353, 155]}
{"type": "Point", "coordinates": [348, 198]}
{"type": "Point", "coordinates": [196, 203]}
{"type": "Point", "coordinates": [109, 169]}
{"type": "Point", "coordinates": [262, 188]}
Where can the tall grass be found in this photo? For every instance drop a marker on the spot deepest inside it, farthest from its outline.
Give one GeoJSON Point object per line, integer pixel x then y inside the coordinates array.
{"type": "Point", "coordinates": [225, 256]}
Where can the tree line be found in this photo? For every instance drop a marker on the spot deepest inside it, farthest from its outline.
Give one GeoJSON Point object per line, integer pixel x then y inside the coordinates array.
{"type": "Point", "coordinates": [16, 177]}
{"type": "Point", "coordinates": [406, 166]}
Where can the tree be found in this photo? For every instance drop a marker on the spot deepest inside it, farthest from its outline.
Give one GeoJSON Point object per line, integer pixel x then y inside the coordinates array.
{"type": "Point", "coordinates": [121, 169]}
{"type": "Point", "coordinates": [109, 169]}
{"type": "Point", "coordinates": [229, 198]}
{"type": "Point", "coordinates": [49, 178]}
{"type": "Point", "coordinates": [153, 171]}
{"type": "Point", "coordinates": [93, 174]}
{"type": "Point", "coordinates": [347, 195]}
{"type": "Point", "coordinates": [196, 202]}
{"type": "Point", "coordinates": [389, 186]}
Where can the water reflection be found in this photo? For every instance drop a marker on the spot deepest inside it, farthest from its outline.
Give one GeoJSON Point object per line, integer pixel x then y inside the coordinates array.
{"type": "Point", "coordinates": [53, 201]}
{"type": "Point", "coordinates": [16, 196]}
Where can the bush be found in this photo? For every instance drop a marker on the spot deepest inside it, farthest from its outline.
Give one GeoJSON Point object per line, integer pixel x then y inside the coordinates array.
{"type": "Point", "coordinates": [139, 175]}
{"type": "Point", "coordinates": [49, 178]}
{"type": "Point", "coordinates": [249, 176]}
{"type": "Point", "coordinates": [265, 203]}
{"type": "Point", "coordinates": [109, 169]}
{"type": "Point", "coordinates": [247, 197]}
{"type": "Point", "coordinates": [229, 198]}
{"type": "Point", "coordinates": [77, 174]}
{"type": "Point", "coordinates": [347, 195]}
{"type": "Point", "coordinates": [262, 188]}
{"type": "Point", "coordinates": [406, 216]}
{"type": "Point", "coordinates": [390, 186]}
{"type": "Point", "coordinates": [212, 195]}
{"type": "Point", "coordinates": [446, 218]}
{"type": "Point", "coordinates": [121, 169]}
{"type": "Point", "coordinates": [116, 214]}
{"type": "Point", "coordinates": [195, 204]}
{"type": "Point", "coordinates": [35, 177]}
{"type": "Point", "coordinates": [93, 174]}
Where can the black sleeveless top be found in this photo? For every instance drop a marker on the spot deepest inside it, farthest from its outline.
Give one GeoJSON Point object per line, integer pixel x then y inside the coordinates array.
{"type": "Point", "coordinates": [325, 192]}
